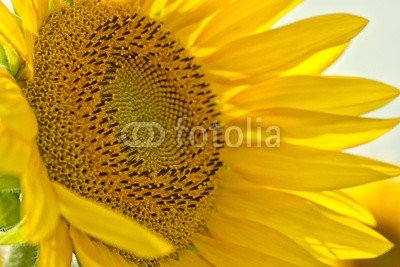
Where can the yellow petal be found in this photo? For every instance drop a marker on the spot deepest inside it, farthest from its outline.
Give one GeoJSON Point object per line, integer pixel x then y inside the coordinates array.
{"type": "Point", "coordinates": [57, 4]}
{"type": "Point", "coordinates": [259, 238]}
{"type": "Point", "coordinates": [318, 62]}
{"type": "Point", "coordinates": [336, 201]}
{"type": "Point", "coordinates": [238, 19]}
{"type": "Point", "coordinates": [172, 5]}
{"type": "Point", "coordinates": [187, 35]}
{"type": "Point", "coordinates": [315, 129]}
{"type": "Point", "coordinates": [43, 8]}
{"type": "Point", "coordinates": [153, 8]}
{"type": "Point", "coordinates": [26, 10]}
{"type": "Point", "coordinates": [186, 258]}
{"type": "Point", "coordinates": [338, 95]}
{"type": "Point", "coordinates": [229, 179]}
{"type": "Point", "coordinates": [15, 112]}
{"type": "Point", "coordinates": [270, 53]}
{"type": "Point", "coordinates": [191, 12]}
{"type": "Point", "coordinates": [383, 199]}
{"type": "Point", "coordinates": [92, 253]}
{"type": "Point", "coordinates": [10, 30]}
{"type": "Point", "coordinates": [319, 230]}
{"type": "Point", "coordinates": [39, 204]}
{"type": "Point", "coordinates": [340, 203]}
{"type": "Point", "coordinates": [302, 168]}
{"type": "Point", "coordinates": [17, 126]}
{"type": "Point", "coordinates": [226, 254]}
{"type": "Point", "coordinates": [28, 70]}
{"type": "Point", "coordinates": [109, 226]}
{"type": "Point", "coordinates": [186, 18]}
{"type": "Point", "coordinates": [56, 250]}
{"type": "Point", "coordinates": [14, 152]}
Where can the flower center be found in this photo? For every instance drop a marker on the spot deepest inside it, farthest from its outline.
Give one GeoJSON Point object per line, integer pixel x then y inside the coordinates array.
{"type": "Point", "coordinates": [121, 107]}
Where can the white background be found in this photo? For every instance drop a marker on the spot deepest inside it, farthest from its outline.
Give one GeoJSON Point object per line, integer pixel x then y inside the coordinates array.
{"type": "Point", "coordinates": [375, 54]}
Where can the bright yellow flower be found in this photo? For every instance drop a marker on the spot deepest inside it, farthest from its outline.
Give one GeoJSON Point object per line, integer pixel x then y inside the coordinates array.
{"type": "Point", "coordinates": [383, 199]}
{"type": "Point", "coordinates": [77, 78]}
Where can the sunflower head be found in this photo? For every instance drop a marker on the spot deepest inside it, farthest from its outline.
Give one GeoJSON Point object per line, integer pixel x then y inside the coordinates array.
{"type": "Point", "coordinates": [90, 89]}
{"type": "Point", "coordinates": [139, 133]}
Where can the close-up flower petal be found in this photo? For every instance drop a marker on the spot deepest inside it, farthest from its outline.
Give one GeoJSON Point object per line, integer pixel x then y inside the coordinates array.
{"type": "Point", "coordinates": [249, 55]}
{"type": "Point", "coordinates": [92, 253]}
{"type": "Point", "coordinates": [311, 169]}
{"type": "Point", "coordinates": [11, 31]}
{"type": "Point", "coordinates": [337, 95]}
{"type": "Point", "coordinates": [56, 250]}
{"type": "Point", "coordinates": [305, 222]}
{"type": "Point", "coordinates": [109, 226]}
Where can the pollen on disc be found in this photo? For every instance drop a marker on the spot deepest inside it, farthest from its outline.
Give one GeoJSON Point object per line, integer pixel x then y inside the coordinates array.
{"type": "Point", "coordinates": [101, 66]}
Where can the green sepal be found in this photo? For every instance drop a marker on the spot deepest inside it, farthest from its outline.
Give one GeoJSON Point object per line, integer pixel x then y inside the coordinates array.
{"type": "Point", "coordinates": [9, 183]}
{"type": "Point", "coordinates": [23, 255]}
{"type": "Point", "coordinates": [9, 57]}
{"type": "Point", "coordinates": [3, 56]}
{"type": "Point", "coordinates": [9, 209]}
{"type": "Point", "coordinates": [13, 236]}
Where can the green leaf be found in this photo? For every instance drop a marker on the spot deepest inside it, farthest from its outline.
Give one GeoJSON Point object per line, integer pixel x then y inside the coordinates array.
{"type": "Point", "coordinates": [9, 209]}
{"type": "Point", "coordinates": [22, 256]}
{"type": "Point", "coordinates": [9, 182]}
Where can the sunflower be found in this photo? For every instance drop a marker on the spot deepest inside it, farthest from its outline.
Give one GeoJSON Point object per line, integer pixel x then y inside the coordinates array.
{"type": "Point", "coordinates": [250, 158]}
{"type": "Point", "coordinates": [383, 199]}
